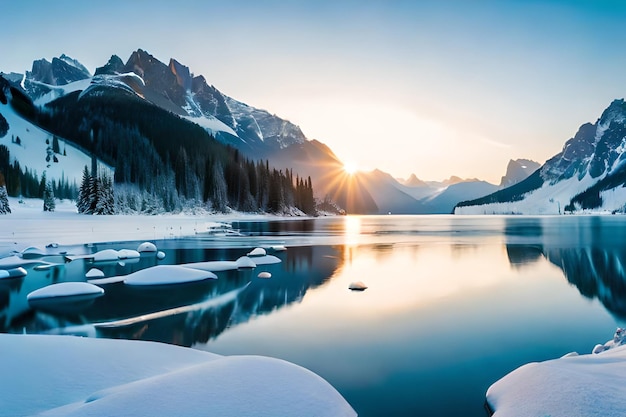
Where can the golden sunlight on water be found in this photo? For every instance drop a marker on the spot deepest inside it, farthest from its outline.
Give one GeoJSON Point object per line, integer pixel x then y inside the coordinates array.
{"type": "Point", "coordinates": [405, 276]}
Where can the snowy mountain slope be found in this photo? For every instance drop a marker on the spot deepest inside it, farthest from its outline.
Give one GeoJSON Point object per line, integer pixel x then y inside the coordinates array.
{"type": "Point", "coordinates": [587, 175]}
{"type": "Point", "coordinates": [32, 151]}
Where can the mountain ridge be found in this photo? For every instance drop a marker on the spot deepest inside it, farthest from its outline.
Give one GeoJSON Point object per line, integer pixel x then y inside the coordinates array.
{"type": "Point", "coordinates": [256, 133]}
{"type": "Point", "coordinates": [588, 174]}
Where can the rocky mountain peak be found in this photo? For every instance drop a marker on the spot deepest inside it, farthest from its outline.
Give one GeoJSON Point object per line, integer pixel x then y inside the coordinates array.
{"type": "Point", "coordinates": [413, 181]}
{"type": "Point", "coordinates": [182, 73]}
{"type": "Point", "coordinates": [114, 66]}
{"type": "Point", "coordinates": [518, 170]}
{"type": "Point", "coordinates": [60, 71]}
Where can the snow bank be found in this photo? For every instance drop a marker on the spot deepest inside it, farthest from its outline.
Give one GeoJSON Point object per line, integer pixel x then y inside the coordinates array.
{"type": "Point", "coordinates": [574, 385]}
{"type": "Point", "coordinates": [102, 377]}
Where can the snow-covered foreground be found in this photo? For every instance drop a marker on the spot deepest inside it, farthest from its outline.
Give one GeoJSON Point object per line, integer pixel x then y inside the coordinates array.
{"type": "Point", "coordinates": [574, 385]}
{"type": "Point", "coordinates": [73, 376]}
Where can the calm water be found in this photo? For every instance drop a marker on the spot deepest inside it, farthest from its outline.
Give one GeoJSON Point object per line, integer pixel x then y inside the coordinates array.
{"type": "Point", "coordinates": [453, 303]}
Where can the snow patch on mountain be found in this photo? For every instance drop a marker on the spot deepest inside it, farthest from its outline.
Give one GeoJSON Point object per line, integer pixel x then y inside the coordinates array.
{"type": "Point", "coordinates": [211, 124]}
{"type": "Point", "coordinates": [32, 150]}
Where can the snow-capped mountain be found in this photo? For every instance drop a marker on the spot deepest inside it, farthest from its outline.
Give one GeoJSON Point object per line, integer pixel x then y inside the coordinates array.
{"type": "Point", "coordinates": [587, 175]}
{"type": "Point", "coordinates": [174, 87]}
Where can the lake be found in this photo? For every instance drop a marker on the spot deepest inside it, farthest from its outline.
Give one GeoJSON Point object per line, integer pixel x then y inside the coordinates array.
{"type": "Point", "coordinates": [453, 302]}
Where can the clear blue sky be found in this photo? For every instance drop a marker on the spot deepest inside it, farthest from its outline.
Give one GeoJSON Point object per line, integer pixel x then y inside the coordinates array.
{"type": "Point", "coordinates": [435, 88]}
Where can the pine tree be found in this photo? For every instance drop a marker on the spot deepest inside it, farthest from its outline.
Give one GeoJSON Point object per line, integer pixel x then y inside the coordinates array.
{"type": "Point", "coordinates": [48, 197]}
{"type": "Point", "coordinates": [84, 201]}
{"type": "Point", "coordinates": [4, 197]}
{"type": "Point", "coordinates": [55, 145]}
{"type": "Point", "coordinates": [104, 199]}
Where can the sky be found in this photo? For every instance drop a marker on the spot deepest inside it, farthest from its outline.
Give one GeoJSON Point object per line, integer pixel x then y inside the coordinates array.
{"type": "Point", "coordinates": [434, 88]}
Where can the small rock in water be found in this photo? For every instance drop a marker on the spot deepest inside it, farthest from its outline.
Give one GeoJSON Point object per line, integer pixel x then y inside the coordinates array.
{"type": "Point", "coordinates": [357, 286]}
{"type": "Point", "coordinates": [264, 275]}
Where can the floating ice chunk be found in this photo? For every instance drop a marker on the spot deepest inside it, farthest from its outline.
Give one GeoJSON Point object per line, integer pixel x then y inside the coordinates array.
{"type": "Point", "coordinates": [47, 265]}
{"type": "Point", "coordinates": [4, 274]}
{"type": "Point", "coordinates": [257, 252]}
{"type": "Point", "coordinates": [66, 289]}
{"type": "Point", "coordinates": [127, 254]}
{"type": "Point", "coordinates": [214, 266]}
{"type": "Point", "coordinates": [278, 248]}
{"type": "Point", "coordinates": [357, 286]}
{"type": "Point", "coordinates": [147, 247]}
{"type": "Point", "coordinates": [109, 280]}
{"type": "Point", "coordinates": [17, 272]}
{"type": "Point", "coordinates": [245, 262]}
{"type": "Point", "coordinates": [266, 260]}
{"type": "Point", "coordinates": [33, 252]}
{"type": "Point", "coordinates": [14, 261]}
{"type": "Point", "coordinates": [106, 255]}
{"type": "Point", "coordinates": [64, 296]}
{"type": "Point", "coordinates": [167, 275]}
{"type": "Point", "coordinates": [160, 255]}
{"type": "Point", "coordinates": [94, 273]}
{"type": "Point", "coordinates": [264, 274]}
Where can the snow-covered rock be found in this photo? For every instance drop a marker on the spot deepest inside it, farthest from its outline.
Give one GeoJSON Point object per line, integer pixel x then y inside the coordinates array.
{"type": "Point", "coordinates": [94, 273]}
{"type": "Point", "coordinates": [257, 252]}
{"type": "Point", "coordinates": [167, 275]}
{"type": "Point", "coordinates": [147, 247]}
{"type": "Point", "coordinates": [265, 260]}
{"type": "Point", "coordinates": [64, 296]}
{"type": "Point", "coordinates": [245, 262]}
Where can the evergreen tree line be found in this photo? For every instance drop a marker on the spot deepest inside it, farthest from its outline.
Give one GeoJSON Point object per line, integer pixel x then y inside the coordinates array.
{"type": "Point", "coordinates": [26, 183]}
{"type": "Point", "coordinates": [166, 163]}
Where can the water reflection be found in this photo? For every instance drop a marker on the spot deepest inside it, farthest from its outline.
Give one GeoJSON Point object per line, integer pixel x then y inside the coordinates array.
{"type": "Point", "coordinates": [591, 256]}
{"type": "Point", "coordinates": [188, 314]}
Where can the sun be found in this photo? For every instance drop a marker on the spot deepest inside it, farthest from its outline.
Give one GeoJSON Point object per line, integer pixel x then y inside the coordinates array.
{"type": "Point", "coordinates": [350, 167]}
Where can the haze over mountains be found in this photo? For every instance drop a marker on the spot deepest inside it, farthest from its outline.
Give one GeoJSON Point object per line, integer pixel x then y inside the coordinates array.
{"type": "Point", "coordinates": [256, 133]}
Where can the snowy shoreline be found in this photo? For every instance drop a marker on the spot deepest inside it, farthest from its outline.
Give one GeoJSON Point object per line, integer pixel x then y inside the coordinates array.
{"type": "Point", "coordinates": [29, 225]}
{"type": "Point", "coordinates": [573, 385]}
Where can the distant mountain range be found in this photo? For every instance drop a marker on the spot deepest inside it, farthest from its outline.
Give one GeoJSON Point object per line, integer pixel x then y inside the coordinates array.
{"type": "Point", "coordinates": [588, 175]}
{"type": "Point", "coordinates": [60, 85]}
